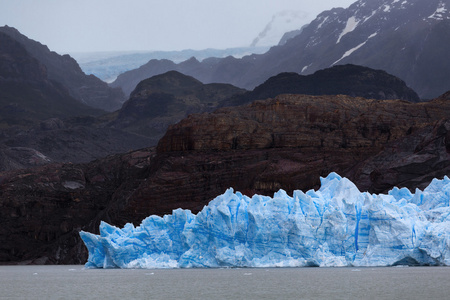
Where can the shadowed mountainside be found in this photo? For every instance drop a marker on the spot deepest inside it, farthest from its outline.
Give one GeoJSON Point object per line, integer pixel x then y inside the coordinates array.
{"type": "Point", "coordinates": [65, 71]}
{"type": "Point", "coordinates": [41, 123]}
{"type": "Point", "coordinates": [26, 93]}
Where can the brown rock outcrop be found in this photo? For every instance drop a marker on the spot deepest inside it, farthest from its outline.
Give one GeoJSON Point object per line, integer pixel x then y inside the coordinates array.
{"type": "Point", "coordinates": [301, 121]}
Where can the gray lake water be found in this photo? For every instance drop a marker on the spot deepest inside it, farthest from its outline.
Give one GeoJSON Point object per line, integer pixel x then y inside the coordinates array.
{"type": "Point", "coordinates": [75, 282]}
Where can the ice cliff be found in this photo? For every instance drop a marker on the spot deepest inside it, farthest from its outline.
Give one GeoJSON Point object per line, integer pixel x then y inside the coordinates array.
{"type": "Point", "coordinates": [336, 225]}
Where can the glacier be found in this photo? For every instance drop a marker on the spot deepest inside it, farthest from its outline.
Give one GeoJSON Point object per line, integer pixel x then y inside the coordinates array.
{"type": "Point", "coordinates": [334, 226]}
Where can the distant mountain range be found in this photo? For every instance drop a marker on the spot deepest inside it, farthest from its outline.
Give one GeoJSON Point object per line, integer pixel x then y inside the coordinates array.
{"type": "Point", "coordinates": [108, 65]}
{"type": "Point", "coordinates": [409, 39]}
{"type": "Point", "coordinates": [166, 99]}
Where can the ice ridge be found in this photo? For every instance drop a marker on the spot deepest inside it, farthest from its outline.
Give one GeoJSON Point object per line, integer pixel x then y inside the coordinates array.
{"type": "Point", "coordinates": [336, 225]}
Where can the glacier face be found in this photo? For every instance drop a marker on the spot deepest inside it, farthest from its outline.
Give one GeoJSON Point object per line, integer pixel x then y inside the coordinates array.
{"type": "Point", "coordinates": [336, 225]}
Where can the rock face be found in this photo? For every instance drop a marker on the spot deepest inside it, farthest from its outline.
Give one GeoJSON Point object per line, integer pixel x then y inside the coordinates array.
{"type": "Point", "coordinates": [64, 70]}
{"type": "Point", "coordinates": [44, 208]}
{"type": "Point", "coordinates": [286, 142]}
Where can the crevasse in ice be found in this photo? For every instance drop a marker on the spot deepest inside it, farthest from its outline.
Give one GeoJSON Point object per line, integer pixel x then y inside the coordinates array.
{"type": "Point", "coordinates": [336, 225]}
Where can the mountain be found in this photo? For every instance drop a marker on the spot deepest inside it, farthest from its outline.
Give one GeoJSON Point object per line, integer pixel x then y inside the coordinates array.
{"type": "Point", "coordinates": [27, 95]}
{"type": "Point", "coordinates": [287, 142]}
{"type": "Point", "coordinates": [65, 71]}
{"type": "Point", "coordinates": [351, 80]}
{"type": "Point", "coordinates": [165, 99]}
{"type": "Point", "coordinates": [108, 65]}
{"type": "Point", "coordinates": [40, 122]}
{"type": "Point", "coordinates": [408, 39]}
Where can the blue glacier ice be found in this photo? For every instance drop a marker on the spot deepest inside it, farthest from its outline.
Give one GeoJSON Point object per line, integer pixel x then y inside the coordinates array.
{"type": "Point", "coordinates": [336, 225]}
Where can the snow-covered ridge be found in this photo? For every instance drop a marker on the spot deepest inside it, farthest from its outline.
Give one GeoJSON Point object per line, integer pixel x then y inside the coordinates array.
{"type": "Point", "coordinates": [336, 225]}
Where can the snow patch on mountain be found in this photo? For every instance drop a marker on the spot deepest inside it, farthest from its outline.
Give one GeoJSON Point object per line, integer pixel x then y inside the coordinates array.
{"type": "Point", "coordinates": [439, 13]}
{"type": "Point", "coordinates": [351, 25]}
{"type": "Point", "coordinates": [305, 68]}
{"type": "Point", "coordinates": [349, 52]}
{"type": "Point", "coordinates": [323, 22]}
{"type": "Point", "coordinates": [368, 17]}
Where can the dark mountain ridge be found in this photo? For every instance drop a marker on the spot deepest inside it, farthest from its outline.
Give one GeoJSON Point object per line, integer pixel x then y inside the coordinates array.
{"type": "Point", "coordinates": [351, 80]}
{"type": "Point", "coordinates": [27, 94]}
{"type": "Point", "coordinates": [64, 70]}
{"type": "Point", "coordinates": [40, 122]}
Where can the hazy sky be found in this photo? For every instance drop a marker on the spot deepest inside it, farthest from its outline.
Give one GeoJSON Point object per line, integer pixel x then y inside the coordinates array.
{"type": "Point", "coordinates": [104, 25]}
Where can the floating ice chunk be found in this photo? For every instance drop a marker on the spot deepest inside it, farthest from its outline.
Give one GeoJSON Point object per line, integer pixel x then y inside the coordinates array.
{"type": "Point", "coordinates": [334, 226]}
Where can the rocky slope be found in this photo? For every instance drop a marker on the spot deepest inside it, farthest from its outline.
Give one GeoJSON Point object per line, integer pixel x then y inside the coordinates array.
{"type": "Point", "coordinates": [409, 39]}
{"type": "Point", "coordinates": [70, 140]}
{"type": "Point", "coordinates": [286, 142]}
{"type": "Point", "coordinates": [64, 70]}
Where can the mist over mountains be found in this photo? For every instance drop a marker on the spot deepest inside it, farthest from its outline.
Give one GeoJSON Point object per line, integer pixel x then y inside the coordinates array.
{"type": "Point", "coordinates": [108, 65]}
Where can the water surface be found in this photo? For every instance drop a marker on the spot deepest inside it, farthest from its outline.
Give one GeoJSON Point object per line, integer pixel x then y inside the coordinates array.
{"type": "Point", "coordinates": [75, 282]}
